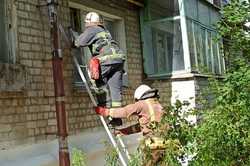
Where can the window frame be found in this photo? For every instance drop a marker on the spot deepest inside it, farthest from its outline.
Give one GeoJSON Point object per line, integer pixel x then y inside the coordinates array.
{"type": "Point", "coordinates": [209, 29]}
{"type": "Point", "coordinates": [119, 32]}
{"type": "Point", "coordinates": [145, 15]}
{"type": "Point", "coordinates": [9, 22]}
{"type": "Point", "coordinates": [188, 66]}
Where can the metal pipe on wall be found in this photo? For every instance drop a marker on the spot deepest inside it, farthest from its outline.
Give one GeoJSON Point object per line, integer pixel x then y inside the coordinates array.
{"type": "Point", "coordinates": [57, 64]}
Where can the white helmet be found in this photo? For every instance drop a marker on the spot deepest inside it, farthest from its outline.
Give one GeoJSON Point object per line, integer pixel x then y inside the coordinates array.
{"type": "Point", "coordinates": [139, 92]}
{"type": "Point", "coordinates": [92, 18]}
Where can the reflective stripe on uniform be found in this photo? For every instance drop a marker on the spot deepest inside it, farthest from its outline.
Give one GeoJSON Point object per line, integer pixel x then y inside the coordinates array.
{"type": "Point", "coordinates": [104, 58]}
{"type": "Point", "coordinates": [101, 37]}
{"type": "Point", "coordinates": [114, 105]}
{"type": "Point", "coordinates": [150, 110]}
{"type": "Point", "coordinates": [113, 54]}
{"type": "Point", "coordinates": [102, 34]}
{"type": "Point", "coordinates": [155, 143]}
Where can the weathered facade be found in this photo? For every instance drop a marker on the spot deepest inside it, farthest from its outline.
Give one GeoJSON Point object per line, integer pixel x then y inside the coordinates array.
{"type": "Point", "coordinates": [27, 104]}
{"type": "Point", "coordinates": [27, 90]}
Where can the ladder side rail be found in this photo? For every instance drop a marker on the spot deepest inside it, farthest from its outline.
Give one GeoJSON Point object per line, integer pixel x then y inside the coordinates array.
{"type": "Point", "coordinates": [123, 146]}
{"type": "Point", "coordinates": [101, 117]}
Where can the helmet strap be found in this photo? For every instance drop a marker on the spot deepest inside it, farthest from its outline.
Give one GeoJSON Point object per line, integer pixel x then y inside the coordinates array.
{"type": "Point", "coordinates": [152, 93]}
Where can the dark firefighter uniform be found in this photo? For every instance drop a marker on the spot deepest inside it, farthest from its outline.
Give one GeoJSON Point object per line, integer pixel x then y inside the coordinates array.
{"type": "Point", "coordinates": [111, 58]}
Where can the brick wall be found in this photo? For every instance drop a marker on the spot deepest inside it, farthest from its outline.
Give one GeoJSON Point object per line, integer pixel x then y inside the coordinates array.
{"type": "Point", "coordinates": [27, 114]}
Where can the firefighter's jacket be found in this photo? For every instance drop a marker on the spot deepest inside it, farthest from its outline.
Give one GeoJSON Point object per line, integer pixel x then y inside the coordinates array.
{"type": "Point", "coordinates": [101, 44]}
{"type": "Point", "coordinates": [148, 111]}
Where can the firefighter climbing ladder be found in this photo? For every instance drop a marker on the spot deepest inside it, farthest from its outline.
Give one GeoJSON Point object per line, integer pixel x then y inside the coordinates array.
{"type": "Point", "coordinates": [112, 139]}
{"type": "Point", "coordinates": [93, 99]}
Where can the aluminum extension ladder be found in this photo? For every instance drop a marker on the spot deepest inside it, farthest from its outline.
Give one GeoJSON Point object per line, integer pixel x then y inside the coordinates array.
{"type": "Point", "coordinates": [112, 139]}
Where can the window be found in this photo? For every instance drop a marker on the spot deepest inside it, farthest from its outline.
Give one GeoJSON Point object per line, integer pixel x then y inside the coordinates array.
{"type": "Point", "coordinates": [201, 12]}
{"type": "Point", "coordinates": [113, 23]}
{"type": "Point", "coordinates": [75, 22]}
{"type": "Point", "coordinates": [3, 43]}
{"type": "Point", "coordinates": [204, 48]}
{"type": "Point", "coordinates": [7, 31]}
{"type": "Point", "coordinates": [162, 40]}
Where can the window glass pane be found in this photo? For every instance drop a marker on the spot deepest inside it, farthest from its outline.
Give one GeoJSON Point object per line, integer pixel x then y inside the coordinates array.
{"type": "Point", "coordinates": [110, 26]}
{"type": "Point", "coordinates": [160, 50]}
{"type": "Point", "coordinates": [75, 19]}
{"type": "Point", "coordinates": [215, 54]}
{"type": "Point", "coordinates": [177, 48]}
{"type": "Point", "coordinates": [215, 16]}
{"type": "Point", "coordinates": [3, 41]}
{"type": "Point", "coordinates": [204, 49]}
{"type": "Point", "coordinates": [148, 50]}
{"type": "Point", "coordinates": [221, 57]}
{"type": "Point", "coordinates": [192, 43]}
{"type": "Point", "coordinates": [203, 13]}
{"type": "Point", "coordinates": [191, 8]}
{"type": "Point", "coordinates": [159, 9]}
{"type": "Point", "coordinates": [201, 47]}
{"type": "Point", "coordinates": [163, 47]}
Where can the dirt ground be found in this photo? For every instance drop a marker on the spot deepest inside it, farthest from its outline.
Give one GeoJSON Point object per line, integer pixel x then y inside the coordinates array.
{"type": "Point", "coordinates": [51, 164]}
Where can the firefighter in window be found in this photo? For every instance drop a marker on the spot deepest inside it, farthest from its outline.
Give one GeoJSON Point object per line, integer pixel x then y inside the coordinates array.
{"type": "Point", "coordinates": [149, 112]}
{"type": "Point", "coordinates": [106, 64]}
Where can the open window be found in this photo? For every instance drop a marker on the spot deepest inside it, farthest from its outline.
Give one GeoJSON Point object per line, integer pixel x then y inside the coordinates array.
{"type": "Point", "coordinates": [113, 23]}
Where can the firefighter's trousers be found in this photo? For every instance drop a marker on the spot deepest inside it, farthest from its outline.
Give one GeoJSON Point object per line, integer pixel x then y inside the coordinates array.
{"type": "Point", "coordinates": [111, 82]}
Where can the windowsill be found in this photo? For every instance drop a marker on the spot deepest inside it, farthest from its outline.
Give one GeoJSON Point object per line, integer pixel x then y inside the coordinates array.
{"type": "Point", "coordinates": [180, 75]}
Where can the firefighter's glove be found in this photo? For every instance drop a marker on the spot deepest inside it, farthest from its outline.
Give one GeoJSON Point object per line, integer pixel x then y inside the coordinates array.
{"type": "Point", "coordinates": [102, 111]}
{"type": "Point", "coordinates": [94, 67]}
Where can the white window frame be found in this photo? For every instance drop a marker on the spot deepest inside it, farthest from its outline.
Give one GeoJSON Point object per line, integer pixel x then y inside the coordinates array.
{"type": "Point", "coordinates": [187, 58]}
